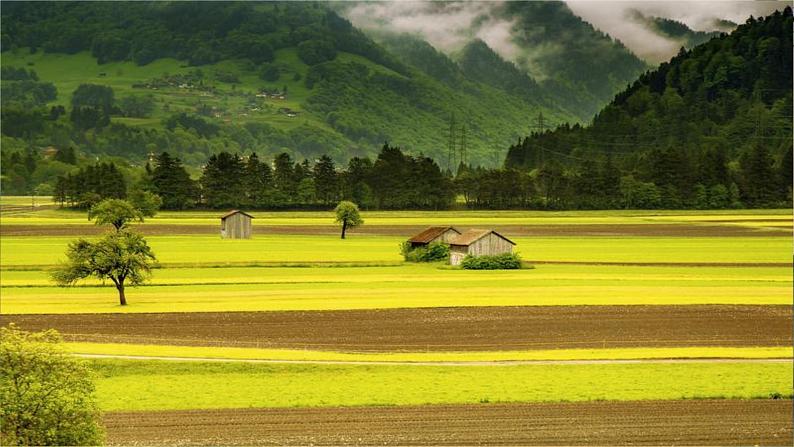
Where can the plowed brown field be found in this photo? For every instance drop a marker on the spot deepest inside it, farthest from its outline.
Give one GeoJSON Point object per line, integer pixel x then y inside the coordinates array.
{"type": "Point", "coordinates": [437, 329]}
{"type": "Point", "coordinates": [693, 422]}
{"type": "Point", "coordinates": [554, 230]}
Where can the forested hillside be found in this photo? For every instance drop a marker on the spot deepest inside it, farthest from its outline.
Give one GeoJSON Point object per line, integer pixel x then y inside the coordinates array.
{"type": "Point", "coordinates": [713, 122]}
{"type": "Point", "coordinates": [131, 79]}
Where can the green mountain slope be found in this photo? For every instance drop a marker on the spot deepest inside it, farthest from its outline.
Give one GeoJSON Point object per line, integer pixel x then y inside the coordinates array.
{"type": "Point", "coordinates": [578, 66]}
{"type": "Point", "coordinates": [263, 77]}
{"type": "Point", "coordinates": [724, 106]}
{"type": "Point", "coordinates": [677, 31]}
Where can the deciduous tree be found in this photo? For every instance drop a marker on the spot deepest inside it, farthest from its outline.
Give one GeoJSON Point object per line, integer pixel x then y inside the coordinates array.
{"type": "Point", "coordinates": [347, 214]}
{"type": "Point", "coordinates": [123, 257]}
{"type": "Point", "coordinates": [47, 395]}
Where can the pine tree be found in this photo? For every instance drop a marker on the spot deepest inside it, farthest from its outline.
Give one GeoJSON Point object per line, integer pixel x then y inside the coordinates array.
{"type": "Point", "coordinates": [326, 181]}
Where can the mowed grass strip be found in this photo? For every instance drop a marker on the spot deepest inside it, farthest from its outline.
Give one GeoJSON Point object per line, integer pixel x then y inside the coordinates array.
{"type": "Point", "coordinates": [436, 273]}
{"type": "Point", "coordinates": [471, 356]}
{"type": "Point", "coordinates": [391, 287]}
{"type": "Point", "coordinates": [20, 251]}
{"type": "Point", "coordinates": [161, 385]}
{"type": "Point", "coordinates": [457, 217]}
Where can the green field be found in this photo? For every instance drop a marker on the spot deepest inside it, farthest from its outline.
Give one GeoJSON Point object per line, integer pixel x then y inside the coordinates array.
{"type": "Point", "coordinates": [758, 218]}
{"type": "Point", "coordinates": [159, 385]}
{"type": "Point", "coordinates": [259, 289]}
{"type": "Point", "coordinates": [278, 272]}
{"type": "Point", "coordinates": [203, 352]}
{"type": "Point", "coordinates": [212, 250]}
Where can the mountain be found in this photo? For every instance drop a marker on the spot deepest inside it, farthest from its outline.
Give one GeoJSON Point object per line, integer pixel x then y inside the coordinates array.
{"type": "Point", "coordinates": [194, 77]}
{"type": "Point", "coordinates": [573, 65]}
{"type": "Point", "coordinates": [719, 113]}
{"type": "Point", "coordinates": [680, 32]}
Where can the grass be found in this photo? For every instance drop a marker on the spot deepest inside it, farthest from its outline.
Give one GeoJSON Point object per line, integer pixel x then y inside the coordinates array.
{"type": "Point", "coordinates": [270, 289]}
{"type": "Point", "coordinates": [458, 217]}
{"type": "Point", "coordinates": [161, 385]}
{"type": "Point", "coordinates": [48, 250]}
{"type": "Point", "coordinates": [468, 356]}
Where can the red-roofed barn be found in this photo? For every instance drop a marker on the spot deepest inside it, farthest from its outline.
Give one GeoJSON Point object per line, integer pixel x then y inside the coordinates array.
{"type": "Point", "coordinates": [433, 234]}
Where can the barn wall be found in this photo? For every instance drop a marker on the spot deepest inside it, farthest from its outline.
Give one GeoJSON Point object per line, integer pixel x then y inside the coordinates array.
{"type": "Point", "coordinates": [456, 254]}
{"type": "Point", "coordinates": [490, 245]}
{"type": "Point", "coordinates": [238, 226]}
{"type": "Point", "coordinates": [447, 236]}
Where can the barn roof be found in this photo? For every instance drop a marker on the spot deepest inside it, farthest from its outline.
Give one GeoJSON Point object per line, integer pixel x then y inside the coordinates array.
{"type": "Point", "coordinates": [233, 212]}
{"type": "Point", "coordinates": [471, 236]}
{"type": "Point", "coordinates": [431, 233]}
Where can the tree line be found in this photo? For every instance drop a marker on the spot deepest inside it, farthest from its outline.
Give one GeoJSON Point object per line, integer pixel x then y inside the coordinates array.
{"type": "Point", "coordinates": [671, 179]}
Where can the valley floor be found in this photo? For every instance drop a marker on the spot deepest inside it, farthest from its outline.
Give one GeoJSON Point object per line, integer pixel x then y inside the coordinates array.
{"type": "Point", "coordinates": [632, 328]}
{"type": "Point", "coordinates": [688, 422]}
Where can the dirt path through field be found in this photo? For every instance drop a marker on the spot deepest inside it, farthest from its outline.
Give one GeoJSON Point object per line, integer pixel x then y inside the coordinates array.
{"type": "Point", "coordinates": [690, 422]}
{"type": "Point", "coordinates": [437, 329]}
{"type": "Point", "coordinates": [545, 230]}
{"type": "Point", "coordinates": [434, 363]}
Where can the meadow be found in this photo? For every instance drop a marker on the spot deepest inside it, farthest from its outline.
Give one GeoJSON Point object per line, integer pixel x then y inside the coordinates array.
{"type": "Point", "coordinates": [159, 385]}
{"type": "Point", "coordinates": [296, 262]}
{"type": "Point", "coordinates": [537, 355]}
{"type": "Point", "coordinates": [280, 289]}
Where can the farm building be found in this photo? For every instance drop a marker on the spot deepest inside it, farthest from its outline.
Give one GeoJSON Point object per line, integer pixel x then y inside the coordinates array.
{"type": "Point", "coordinates": [433, 234]}
{"type": "Point", "coordinates": [236, 224]}
{"type": "Point", "coordinates": [478, 243]}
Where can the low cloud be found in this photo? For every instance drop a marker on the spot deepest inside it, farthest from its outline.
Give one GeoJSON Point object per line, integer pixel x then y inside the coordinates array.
{"type": "Point", "coordinates": [617, 19]}
{"type": "Point", "coordinates": [449, 26]}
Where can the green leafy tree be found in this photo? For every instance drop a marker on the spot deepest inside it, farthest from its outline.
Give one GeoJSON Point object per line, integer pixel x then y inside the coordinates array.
{"type": "Point", "coordinates": [115, 212]}
{"type": "Point", "coordinates": [47, 395]}
{"type": "Point", "coordinates": [123, 257]}
{"type": "Point", "coordinates": [146, 202]}
{"type": "Point", "coordinates": [347, 215]}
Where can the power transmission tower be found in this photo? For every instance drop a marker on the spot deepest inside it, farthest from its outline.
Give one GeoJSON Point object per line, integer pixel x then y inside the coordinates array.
{"type": "Point", "coordinates": [541, 126]}
{"type": "Point", "coordinates": [451, 144]}
{"type": "Point", "coordinates": [464, 144]}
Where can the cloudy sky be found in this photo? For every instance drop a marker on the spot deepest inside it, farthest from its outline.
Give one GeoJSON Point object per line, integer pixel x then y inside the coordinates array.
{"type": "Point", "coordinates": [450, 25]}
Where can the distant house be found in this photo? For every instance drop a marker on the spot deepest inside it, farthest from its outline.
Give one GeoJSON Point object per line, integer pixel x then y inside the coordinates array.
{"type": "Point", "coordinates": [236, 225]}
{"type": "Point", "coordinates": [478, 243]}
{"type": "Point", "coordinates": [433, 234]}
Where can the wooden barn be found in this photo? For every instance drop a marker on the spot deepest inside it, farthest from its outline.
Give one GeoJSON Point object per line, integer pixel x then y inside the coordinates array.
{"type": "Point", "coordinates": [478, 243]}
{"type": "Point", "coordinates": [433, 234]}
{"type": "Point", "coordinates": [236, 224]}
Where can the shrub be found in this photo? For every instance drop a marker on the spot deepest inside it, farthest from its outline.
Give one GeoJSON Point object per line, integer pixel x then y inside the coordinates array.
{"type": "Point", "coordinates": [436, 251]}
{"type": "Point", "coordinates": [47, 395]}
{"type": "Point", "coordinates": [505, 261]}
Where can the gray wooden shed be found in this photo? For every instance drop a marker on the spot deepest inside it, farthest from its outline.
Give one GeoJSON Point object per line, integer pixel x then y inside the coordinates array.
{"type": "Point", "coordinates": [478, 243]}
{"type": "Point", "coordinates": [236, 224]}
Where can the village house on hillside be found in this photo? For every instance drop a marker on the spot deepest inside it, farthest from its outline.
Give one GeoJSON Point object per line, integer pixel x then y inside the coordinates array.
{"type": "Point", "coordinates": [478, 243]}
{"type": "Point", "coordinates": [236, 224]}
{"type": "Point", "coordinates": [433, 234]}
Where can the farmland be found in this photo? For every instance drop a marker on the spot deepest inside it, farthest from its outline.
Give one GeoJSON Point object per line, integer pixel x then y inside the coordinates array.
{"type": "Point", "coordinates": [662, 313]}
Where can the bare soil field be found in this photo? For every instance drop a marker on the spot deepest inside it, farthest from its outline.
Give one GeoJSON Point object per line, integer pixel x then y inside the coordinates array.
{"type": "Point", "coordinates": [554, 230]}
{"type": "Point", "coordinates": [437, 329]}
{"type": "Point", "coordinates": [690, 422]}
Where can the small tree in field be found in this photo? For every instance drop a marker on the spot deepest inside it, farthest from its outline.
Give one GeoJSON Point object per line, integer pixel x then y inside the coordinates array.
{"type": "Point", "coordinates": [123, 257]}
{"type": "Point", "coordinates": [347, 215]}
{"type": "Point", "coordinates": [115, 212]}
{"type": "Point", "coordinates": [47, 395]}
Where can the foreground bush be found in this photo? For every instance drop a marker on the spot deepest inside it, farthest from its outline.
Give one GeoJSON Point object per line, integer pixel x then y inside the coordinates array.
{"type": "Point", "coordinates": [436, 251]}
{"type": "Point", "coordinates": [46, 395]}
{"type": "Point", "coordinates": [506, 261]}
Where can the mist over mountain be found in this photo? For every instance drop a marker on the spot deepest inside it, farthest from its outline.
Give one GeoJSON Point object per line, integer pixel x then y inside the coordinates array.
{"type": "Point", "coordinates": [620, 20]}
{"type": "Point", "coordinates": [578, 66]}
